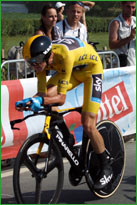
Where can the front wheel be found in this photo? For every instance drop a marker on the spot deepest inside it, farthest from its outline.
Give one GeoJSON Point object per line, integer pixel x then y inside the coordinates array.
{"type": "Point", "coordinates": [114, 144]}
{"type": "Point", "coordinates": [38, 179]}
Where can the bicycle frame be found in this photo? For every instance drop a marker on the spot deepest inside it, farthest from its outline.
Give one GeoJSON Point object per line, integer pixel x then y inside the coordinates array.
{"type": "Point", "coordinates": [56, 129]}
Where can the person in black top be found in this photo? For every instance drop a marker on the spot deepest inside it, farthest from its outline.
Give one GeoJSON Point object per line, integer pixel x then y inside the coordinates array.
{"type": "Point", "coordinates": [48, 22]}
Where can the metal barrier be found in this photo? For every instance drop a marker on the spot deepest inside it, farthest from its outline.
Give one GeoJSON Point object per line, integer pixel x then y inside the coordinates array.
{"type": "Point", "coordinates": [109, 59]}
{"type": "Point", "coordinates": [16, 71]}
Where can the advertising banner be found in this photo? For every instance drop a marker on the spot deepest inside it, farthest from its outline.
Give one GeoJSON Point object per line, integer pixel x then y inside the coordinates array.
{"type": "Point", "coordinates": [118, 104]}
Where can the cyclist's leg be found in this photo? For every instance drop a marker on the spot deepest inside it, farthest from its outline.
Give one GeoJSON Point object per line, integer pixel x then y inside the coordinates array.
{"type": "Point", "coordinates": [92, 99]}
{"type": "Point", "coordinates": [89, 125]}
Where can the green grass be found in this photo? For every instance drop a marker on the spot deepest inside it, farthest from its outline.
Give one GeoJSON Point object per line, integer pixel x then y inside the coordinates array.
{"type": "Point", "coordinates": [101, 37]}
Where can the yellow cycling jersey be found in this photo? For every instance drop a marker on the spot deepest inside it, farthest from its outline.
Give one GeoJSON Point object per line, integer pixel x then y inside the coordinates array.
{"type": "Point", "coordinates": [70, 55]}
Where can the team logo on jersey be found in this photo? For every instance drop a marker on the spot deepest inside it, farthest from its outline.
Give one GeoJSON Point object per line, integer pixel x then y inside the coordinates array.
{"type": "Point", "coordinates": [96, 88]}
{"type": "Point", "coordinates": [63, 83]}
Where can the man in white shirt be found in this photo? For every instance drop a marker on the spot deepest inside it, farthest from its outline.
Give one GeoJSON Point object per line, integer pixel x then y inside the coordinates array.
{"type": "Point", "coordinates": [122, 34]}
{"type": "Point", "coordinates": [71, 26]}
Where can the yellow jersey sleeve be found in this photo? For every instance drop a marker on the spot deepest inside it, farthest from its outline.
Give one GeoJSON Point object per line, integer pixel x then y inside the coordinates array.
{"type": "Point", "coordinates": [41, 84]}
{"type": "Point", "coordinates": [65, 75]}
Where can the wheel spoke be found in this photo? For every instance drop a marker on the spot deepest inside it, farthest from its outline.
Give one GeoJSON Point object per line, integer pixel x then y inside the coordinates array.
{"type": "Point", "coordinates": [38, 191]}
{"type": "Point", "coordinates": [52, 164]}
{"type": "Point", "coordinates": [30, 165]}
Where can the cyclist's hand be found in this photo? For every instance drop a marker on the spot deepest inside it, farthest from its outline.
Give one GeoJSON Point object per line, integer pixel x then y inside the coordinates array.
{"type": "Point", "coordinates": [33, 104]}
{"type": "Point", "coordinates": [36, 103]}
{"type": "Point", "coordinates": [23, 104]}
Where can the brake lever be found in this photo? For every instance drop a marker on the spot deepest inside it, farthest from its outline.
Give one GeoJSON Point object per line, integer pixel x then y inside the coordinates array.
{"type": "Point", "coordinates": [12, 123]}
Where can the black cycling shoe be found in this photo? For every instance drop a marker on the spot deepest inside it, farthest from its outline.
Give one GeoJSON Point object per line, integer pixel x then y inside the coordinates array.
{"type": "Point", "coordinates": [104, 178]}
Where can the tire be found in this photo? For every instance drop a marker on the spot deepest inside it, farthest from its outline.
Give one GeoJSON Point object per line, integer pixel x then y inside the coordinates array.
{"type": "Point", "coordinates": [29, 178]}
{"type": "Point", "coordinates": [114, 144]}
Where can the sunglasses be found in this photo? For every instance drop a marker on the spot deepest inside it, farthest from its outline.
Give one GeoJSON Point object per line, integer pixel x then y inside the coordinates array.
{"type": "Point", "coordinates": [38, 59]}
{"type": "Point", "coordinates": [77, 2]}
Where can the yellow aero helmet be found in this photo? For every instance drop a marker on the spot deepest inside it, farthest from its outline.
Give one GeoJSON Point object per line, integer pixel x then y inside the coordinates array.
{"type": "Point", "coordinates": [37, 48]}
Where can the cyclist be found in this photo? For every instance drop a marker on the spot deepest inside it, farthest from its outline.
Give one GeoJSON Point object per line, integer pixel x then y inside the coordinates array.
{"type": "Point", "coordinates": [75, 62]}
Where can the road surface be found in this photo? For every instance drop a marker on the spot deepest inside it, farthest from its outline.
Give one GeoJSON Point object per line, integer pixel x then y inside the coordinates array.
{"type": "Point", "coordinates": [81, 194]}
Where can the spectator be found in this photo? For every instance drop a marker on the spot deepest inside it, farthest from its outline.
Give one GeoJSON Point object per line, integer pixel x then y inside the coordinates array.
{"type": "Point", "coordinates": [87, 6]}
{"type": "Point", "coordinates": [71, 26]}
{"type": "Point", "coordinates": [122, 34]}
{"type": "Point", "coordinates": [60, 8]}
{"type": "Point", "coordinates": [48, 22]}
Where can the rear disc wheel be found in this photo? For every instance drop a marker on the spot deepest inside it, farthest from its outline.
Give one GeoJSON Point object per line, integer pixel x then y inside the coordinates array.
{"type": "Point", "coordinates": [115, 147]}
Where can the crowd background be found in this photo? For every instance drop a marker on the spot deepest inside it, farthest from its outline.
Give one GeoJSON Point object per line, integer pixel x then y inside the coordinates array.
{"type": "Point", "coordinates": [18, 26]}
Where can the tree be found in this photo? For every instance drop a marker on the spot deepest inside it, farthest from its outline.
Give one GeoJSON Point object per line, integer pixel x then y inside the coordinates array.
{"type": "Point", "coordinates": [36, 6]}
{"type": "Point", "coordinates": [105, 9]}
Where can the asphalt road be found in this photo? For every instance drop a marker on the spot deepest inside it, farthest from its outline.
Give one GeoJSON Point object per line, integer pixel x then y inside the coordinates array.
{"type": "Point", "coordinates": [126, 194]}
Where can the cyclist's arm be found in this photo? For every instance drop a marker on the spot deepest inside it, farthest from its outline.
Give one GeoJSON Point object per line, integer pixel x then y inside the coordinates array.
{"type": "Point", "coordinates": [40, 94]}
{"type": "Point", "coordinates": [57, 93]}
{"type": "Point", "coordinates": [41, 84]}
{"type": "Point", "coordinates": [57, 99]}
{"type": "Point", "coordinates": [58, 86]}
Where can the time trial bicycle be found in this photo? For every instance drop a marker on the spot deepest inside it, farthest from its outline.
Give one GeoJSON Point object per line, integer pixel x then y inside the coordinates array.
{"type": "Point", "coordinates": [41, 156]}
